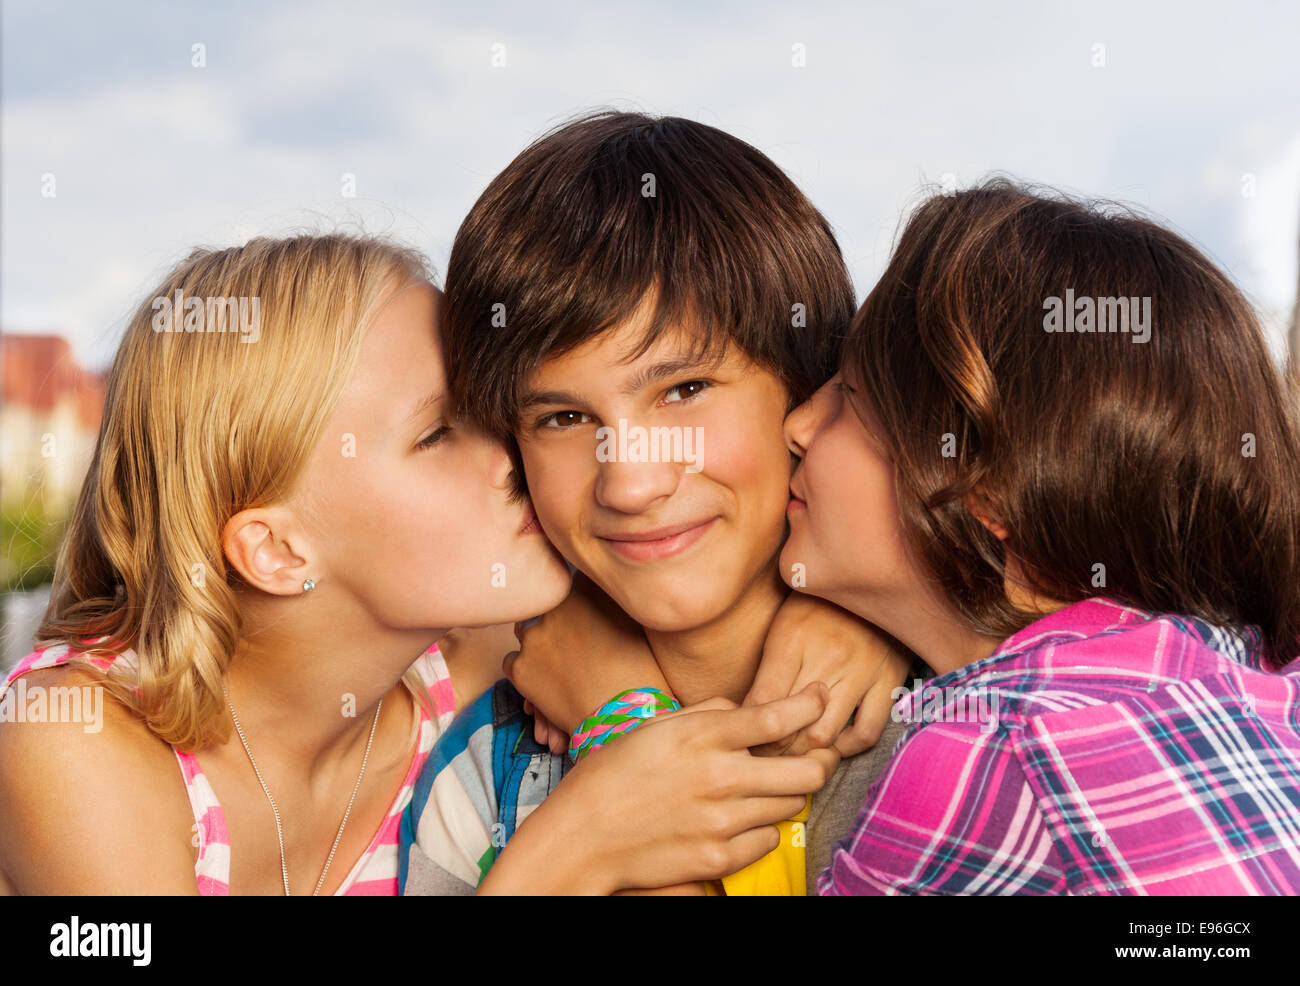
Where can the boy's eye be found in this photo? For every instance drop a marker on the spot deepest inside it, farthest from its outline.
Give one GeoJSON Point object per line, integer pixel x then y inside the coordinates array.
{"type": "Point", "coordinates": [434, 437]}
{"type": "Point", "coordinates": [687, 390]}
{"type": "Point", "coordinates": [563, 419]}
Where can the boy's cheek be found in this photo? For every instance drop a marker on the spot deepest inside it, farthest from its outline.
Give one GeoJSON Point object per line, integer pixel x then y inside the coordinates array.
{"type": "Point", "coordinates": [559, 501]}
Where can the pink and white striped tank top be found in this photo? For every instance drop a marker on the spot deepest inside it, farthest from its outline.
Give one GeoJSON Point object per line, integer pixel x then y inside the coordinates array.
{"type": "Point", "coordinates": [375, 873]}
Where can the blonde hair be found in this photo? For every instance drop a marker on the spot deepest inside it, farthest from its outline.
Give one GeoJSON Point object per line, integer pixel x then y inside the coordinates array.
{"type": "Point", "coordinates": [197, 426]}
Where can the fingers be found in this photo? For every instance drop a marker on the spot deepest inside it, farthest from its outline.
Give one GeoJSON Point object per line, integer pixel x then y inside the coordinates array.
{"type": "Point", "coordinates": [873, 715]}
{"type": "Point", "coordinates": [539, 724]}
{"type": "Point", "coordinates": [755, 725]}
{"type": "Point", "coordinates": [718, 704]}
{"type": "Point", "coordinates": [748, 847]}
{"type": "Point", "coordinates": [824, 732]}
{"type": "Point", "coordinates": [784, 778]}
{"type": "Point", "coordinates": [847, 744]}
{"type": "Point", "coordinates": [693, 889]}
{"type": "Point", "coordinates": [558, 739]}
{"type": "Point", "coordinates": [543, 732]}
{"type": "Point", "coordinates": [828, 759]}
{"type": "Point", "coordinates": [717, 859]}
{"type": "Point", "coordinates": [827, 730]}
{"type": "Point", "coordinates": [522, 626]}
{"type": "Point", "coordinates": [546, 732]}
{"type": "Point", "coordinates": [864, 732]}
{"type": "Point", "coordinates": [775, 679]}
{"type": "Point", "coordinates": [839, 710]}
{"type": "Point", "coordinates": [778, 749]}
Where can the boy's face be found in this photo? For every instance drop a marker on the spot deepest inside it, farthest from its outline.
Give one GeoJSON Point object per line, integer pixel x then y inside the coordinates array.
{"type": "Point", "coordinates": [673, 534]}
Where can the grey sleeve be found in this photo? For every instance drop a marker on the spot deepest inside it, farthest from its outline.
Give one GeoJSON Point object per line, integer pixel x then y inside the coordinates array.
{"type": "Point", "coordinates": [836, 806]}
{"type": "Point", "coordinates": [425, 878]}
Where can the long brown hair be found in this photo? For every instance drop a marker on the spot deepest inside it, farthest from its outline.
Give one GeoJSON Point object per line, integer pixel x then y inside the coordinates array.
{"type": "Point", "coordinates": [1156, 463]}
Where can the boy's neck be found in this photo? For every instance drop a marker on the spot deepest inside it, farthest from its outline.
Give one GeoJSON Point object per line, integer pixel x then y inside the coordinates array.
{"type": "Point", "coordinates": [721, 658]}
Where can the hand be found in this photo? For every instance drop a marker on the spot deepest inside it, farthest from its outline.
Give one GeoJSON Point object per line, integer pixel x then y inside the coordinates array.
{"type": "Point", "coordinates": [473, 659]}
{"type": "Point", "coordinates": [546, 732]}
{"type": "Point", "coordinates": [579, 656]}
{"type": "Point", "coordinates": [677, 800]}
{"type": "Point", "coordinates": [814, 640]}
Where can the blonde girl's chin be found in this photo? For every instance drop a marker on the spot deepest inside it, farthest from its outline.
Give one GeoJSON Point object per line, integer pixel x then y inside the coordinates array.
{"type": "Point", "coordinates": [545, 590]}
{"type": "Point", "coordinates": [556, 588]}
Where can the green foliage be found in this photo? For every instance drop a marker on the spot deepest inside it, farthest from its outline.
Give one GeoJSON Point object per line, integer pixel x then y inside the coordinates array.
{"type": "Point", "coordinates": [29, 544]}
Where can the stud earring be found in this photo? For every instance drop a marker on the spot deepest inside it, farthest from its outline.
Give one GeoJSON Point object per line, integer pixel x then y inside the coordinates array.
{"type": "Point", "coordinates": [308, 585]}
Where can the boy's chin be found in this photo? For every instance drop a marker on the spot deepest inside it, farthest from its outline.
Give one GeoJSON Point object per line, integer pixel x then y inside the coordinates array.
{"type": "Point", "coordinates": [675, 614]}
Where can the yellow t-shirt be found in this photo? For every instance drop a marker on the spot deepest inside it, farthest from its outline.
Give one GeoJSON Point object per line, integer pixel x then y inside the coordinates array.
{"type": "Point", "coordinates": [780, 873]}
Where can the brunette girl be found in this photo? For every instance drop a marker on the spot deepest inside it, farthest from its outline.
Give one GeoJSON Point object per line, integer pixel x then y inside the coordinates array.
{"type": "Point", "coordinates": [1091, 531]}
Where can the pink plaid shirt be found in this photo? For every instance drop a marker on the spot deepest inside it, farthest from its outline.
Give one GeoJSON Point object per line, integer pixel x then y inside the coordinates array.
{"type": "Point", "coordinates": [1100, 750]}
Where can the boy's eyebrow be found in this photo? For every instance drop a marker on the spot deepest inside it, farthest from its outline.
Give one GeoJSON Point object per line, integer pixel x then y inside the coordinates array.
{"type": "Point", "coordinates": [665, 369]}
{"type": "Point", "coordinates": [662, 370]}
{"type": "Point", "coordinates": [540, 398]}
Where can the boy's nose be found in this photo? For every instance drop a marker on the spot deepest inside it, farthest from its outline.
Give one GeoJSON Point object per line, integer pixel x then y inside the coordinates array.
{"type": "Point", "coordinates": [632, 487]}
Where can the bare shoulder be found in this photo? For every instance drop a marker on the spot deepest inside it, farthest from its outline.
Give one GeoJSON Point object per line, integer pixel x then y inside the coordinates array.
{"type": "Point", "coordinates": [53, 711]}
{"type": "Point", "coordinates": [91, 801]}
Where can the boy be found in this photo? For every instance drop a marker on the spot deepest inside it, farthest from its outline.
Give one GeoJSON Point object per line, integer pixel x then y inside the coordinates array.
{"type": "Point", "coordinates": [637, 276]}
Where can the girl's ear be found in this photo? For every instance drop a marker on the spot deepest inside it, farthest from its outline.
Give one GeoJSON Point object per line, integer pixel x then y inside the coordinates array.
{"type": "Point", "coordinates": [263, 559]}
{"type": "Point", "coordinates": [979, 505]}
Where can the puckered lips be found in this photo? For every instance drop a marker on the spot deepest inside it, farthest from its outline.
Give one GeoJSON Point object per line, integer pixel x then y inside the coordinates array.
{"type": "Point", "coordinates": [530, 524]}
{"type": "Point", "coordinates": [798, 501]}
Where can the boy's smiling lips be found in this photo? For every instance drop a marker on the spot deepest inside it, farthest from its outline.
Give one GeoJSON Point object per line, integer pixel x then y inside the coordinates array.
{"type": "Point", "coordinates": [662, 542]}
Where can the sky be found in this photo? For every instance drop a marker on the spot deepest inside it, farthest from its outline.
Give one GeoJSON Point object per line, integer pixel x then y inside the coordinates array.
{"type": "Point", "coordinates": [152, 145]}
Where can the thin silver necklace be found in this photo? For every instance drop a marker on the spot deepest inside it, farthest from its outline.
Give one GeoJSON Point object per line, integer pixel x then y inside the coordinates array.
{"type": "Point", "coordinates": [279, 829]}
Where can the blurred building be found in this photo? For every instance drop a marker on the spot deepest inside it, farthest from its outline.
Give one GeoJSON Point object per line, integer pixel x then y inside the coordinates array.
{"type": "Point", "coordinates": [49, 418]}
{"type": "Point", "coordinates": [50, 408]}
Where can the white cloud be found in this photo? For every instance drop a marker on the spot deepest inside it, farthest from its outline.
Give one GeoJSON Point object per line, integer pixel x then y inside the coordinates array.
{"type": "Point", "coordinates": [153, 156]}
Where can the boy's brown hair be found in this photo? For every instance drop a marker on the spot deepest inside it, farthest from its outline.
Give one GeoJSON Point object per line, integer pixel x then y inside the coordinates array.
{"type": "Point", "coordinates": [1163, 473]}
{"type": "Point", "coordinates": [611, 208]}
